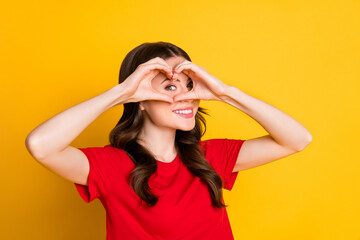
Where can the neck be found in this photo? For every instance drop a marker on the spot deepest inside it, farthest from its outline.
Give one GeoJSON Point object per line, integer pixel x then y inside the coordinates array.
{"type": "Point", "coordinates": [159, 141]}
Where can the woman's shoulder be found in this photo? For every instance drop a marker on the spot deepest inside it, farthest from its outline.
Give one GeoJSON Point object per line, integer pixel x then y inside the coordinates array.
{"type": "Point", "coordinates": [209, 144]}
{"type": "Point", "coordinates": [114, 151]}
{"type": "Point", "coordinates": [107, 153]}
{"type": "Point", "coordinates": [111, 148]}
{"type": "Point", "coordinates": [212, 142]}
{"type": "Point", "coordinates": [118, 157]}
{"type": "Point", "coordinates": [216, 144]}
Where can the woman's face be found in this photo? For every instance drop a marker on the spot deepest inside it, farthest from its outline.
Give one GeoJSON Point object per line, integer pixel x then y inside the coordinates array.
{"type": "Point", "coordinates": [163, 114]}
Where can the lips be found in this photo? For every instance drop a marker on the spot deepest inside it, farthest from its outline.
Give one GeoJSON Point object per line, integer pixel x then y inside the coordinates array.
{"type": "Point", "coordinates": [184, 112]}
{"type": "Point", "coordinates": [188, 108]}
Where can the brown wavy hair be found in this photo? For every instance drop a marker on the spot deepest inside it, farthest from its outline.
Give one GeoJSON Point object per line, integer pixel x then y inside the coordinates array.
{"type": "Point", "coordinates": [126, 131]}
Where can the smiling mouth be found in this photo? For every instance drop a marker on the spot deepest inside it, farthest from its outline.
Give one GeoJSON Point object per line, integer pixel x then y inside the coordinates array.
{"type": "Point", "coordinates": [186, 113]}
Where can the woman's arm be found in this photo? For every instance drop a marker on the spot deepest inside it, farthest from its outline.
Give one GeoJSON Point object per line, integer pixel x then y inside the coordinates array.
{"type": "Point", "coordinates": [55, 134]}
{"type": "Point", "coordinates": [284, 129]}
{"type": "Point", "coordinates": [287, 136]}
{"type": "Point", "coordinates": [49, 143]}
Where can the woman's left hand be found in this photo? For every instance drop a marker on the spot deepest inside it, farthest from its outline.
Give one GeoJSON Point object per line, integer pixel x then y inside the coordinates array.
{"type": "Point", "coordinates": [205, 86]}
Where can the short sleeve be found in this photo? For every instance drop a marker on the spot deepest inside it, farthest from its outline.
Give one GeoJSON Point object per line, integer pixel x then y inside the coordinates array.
{"type": "Point", "coordinates": [101, 173]}
{"type": "Point", "coordinates": [222, 155]}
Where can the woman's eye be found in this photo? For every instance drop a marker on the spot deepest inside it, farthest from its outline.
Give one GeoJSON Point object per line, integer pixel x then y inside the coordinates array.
{"type": "Point", "coordinates": [190, 84]}
{"type": "Point", "coordinates": [167, 87]}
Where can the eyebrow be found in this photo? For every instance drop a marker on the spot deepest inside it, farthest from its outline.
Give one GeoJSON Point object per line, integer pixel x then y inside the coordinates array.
{"type": "Point", "coordinates": [176, 80]}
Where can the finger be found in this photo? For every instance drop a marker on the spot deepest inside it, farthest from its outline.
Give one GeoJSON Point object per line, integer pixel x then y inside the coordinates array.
{"type": "Point", "coordinates": [161, 67]}
{"type": "Point", "coordinates": [158, 60]}
{"type": "Point", "coordinates": [162, 61]}
{"type": "Point", "coordinates": [162, 97]}
{"type": "Point", "coordinates": [185, 68]}
{"type": "Point", "coordinates": [185, 96]}
{"type": "Point", "coordinates": [167, 71]}
{"type": "Point", "coordinates": [166, 99]}
{"type": "Point", "coordinates": [182, 63]}
{"type": "Point", "coordinates": [186, 63]}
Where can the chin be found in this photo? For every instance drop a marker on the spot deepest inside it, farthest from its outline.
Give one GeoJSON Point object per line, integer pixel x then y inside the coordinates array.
{"type": "Point", "coordinates": [186, 127]}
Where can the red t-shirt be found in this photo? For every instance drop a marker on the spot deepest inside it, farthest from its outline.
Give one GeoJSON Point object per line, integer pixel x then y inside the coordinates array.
{"type": "Point", "coordinates": [184, 210]}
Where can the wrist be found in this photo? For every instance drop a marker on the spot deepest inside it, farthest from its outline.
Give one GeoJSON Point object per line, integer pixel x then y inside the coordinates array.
{"type": "Point", "coordinates": [118, 95]}
{"type": "Point", "coordinates": [226, 93]}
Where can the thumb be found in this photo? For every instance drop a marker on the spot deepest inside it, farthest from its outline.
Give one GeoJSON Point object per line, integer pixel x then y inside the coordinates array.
{"type": "Point", "coordinates": [163, 97]}
{"type": "Point", "coordinates": [185, 96]}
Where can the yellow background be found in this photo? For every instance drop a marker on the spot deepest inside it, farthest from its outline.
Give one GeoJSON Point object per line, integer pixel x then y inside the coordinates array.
{"type": "Point", "coordinates": [299, 56]}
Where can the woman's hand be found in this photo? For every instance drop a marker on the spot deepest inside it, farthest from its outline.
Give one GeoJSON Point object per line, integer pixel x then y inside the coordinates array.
{"type": "Point", "coordinates": [137, 87]}
{"type": "Point", "coordinates": [205, 86]}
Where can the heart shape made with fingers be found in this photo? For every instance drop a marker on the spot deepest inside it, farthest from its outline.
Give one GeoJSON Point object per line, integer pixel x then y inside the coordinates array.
{"type": "Point", "coordinates": [161, 83]}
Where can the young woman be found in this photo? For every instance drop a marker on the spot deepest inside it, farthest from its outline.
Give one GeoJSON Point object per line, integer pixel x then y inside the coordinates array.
{"type": "Point", "coordinates": [157, 179]}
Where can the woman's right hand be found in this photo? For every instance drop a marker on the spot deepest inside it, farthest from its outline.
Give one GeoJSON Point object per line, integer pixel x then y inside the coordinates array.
{"type": "Point", "coordinates": [137, 86]}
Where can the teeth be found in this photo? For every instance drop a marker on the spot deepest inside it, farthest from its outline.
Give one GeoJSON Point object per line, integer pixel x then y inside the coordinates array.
{"type": "Point", "coordinates": [184, 111]}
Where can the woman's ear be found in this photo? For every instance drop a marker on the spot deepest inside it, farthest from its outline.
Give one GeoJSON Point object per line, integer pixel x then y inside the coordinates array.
{"type": "Point", "coordinates": [141, 106]}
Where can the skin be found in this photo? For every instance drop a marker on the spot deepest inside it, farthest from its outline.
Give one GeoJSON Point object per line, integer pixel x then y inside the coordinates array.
{"type": "Point", "coordinates": [286, 135]}
{"type": "Point", "coordinates": [160, 122]}
{"type": "Point", "coordinates": [49, 143]}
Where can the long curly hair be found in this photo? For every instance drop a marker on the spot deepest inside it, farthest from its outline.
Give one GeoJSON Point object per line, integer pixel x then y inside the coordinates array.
{"type": "Point", "coordinates": [126, 132]}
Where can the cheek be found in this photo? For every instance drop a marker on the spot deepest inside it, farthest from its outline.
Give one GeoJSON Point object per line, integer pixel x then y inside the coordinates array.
{"type": "Point", "coordinates": [159, 109]}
